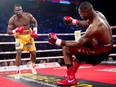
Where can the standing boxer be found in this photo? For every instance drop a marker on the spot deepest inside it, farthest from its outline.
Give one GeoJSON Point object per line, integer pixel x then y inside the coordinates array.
{"type": "Point", "coordinates": [92, 47]}
{"type": "Point", "coordinates": [19, 25]}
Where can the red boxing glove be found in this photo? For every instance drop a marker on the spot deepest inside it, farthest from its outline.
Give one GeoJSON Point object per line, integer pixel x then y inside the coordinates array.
{"type": "Point", "coordinates": [54, 40]}
{"type": "Point", "coordinates": [19, 29]}
{"type": "Point", "coordinates": [69, 20]}
{"type": "Point", "coordinates": [33, 34]}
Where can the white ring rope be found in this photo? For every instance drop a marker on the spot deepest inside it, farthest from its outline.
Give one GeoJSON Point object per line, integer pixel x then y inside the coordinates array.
{"type": "Point", "coordinates": [14, 52]}
{"type": "Point", "coordinates": [52, 57]}
{"type": "Point", "coordinates": [51, 50]}
{"type": "Point", "coordinates": [35, 42]}
{"type": "Point", "coordinates": [14, 42]}
{"type": "Point", "coordinates": [112, 27]}
{"type": "Point", "coordinates": [61, 34]}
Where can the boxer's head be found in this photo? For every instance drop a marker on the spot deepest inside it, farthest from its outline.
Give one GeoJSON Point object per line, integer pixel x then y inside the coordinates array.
{"type": "Point", "coordinates": [85, 10]}
{"type": "Point", "coordinates": [18, 10]}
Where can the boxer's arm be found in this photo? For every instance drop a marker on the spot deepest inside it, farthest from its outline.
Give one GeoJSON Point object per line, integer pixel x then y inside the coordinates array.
{"type": "Point", "coordinates": [10, 26]}
{"type": "Point", "coordinates": [81, 42]}
{"type": "Point", "coordinates": [69, 20]}
{"type": "Point", "coordinates": [34, 21]}
{"type": "Point", "coordinates": [87, 37]}
{"type": "Point", "coordinates": [84, 23]}
{"type": "Point", "coordinates": [34, 33]}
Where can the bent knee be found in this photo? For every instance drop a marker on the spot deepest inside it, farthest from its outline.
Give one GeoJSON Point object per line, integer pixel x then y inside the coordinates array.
{"type": "Point", "coordinates": [65, 48]}
{"type": "Point", "coordinates": [19, 52]}
{"type": "Point", "coordinates": [33, 54]}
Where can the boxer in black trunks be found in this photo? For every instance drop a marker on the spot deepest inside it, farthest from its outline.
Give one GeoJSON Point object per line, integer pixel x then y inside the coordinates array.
{"type": "Point", "coordinates": [92, 47]}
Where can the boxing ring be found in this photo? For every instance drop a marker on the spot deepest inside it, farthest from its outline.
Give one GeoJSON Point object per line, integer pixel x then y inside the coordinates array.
{"type": "Point", "coordinates": [50, 57]}
{"type": "Point", "coordinates": [42, 42]}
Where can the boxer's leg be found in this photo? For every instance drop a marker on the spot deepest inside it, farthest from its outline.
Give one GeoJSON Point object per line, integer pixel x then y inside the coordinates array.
{"type": "Point", "coordinates": [33, 57]}
{"type": "Point", "coordinates": [33, 60]}
{"type": "Point", "coordinates": [19, 47]}
{"type": "Point", "coordinates": [70, 79]}
{"type": "Point", "coordinates": [18, 61]}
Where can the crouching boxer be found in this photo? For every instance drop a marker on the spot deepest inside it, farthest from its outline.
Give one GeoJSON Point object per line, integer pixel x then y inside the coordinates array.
{"type": "Point", "coordinates": [92, 47]}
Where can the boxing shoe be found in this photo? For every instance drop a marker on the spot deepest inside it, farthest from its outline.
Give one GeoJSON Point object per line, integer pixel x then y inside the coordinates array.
{"type": "Point", "coordinates": [17, 74]}
{"type": "Point", "coordinates": [75, 67]}
{"type": "Point", "coordinates": [67, 81]}
{"type": "Point", "coordinates": [33, 69]}
{"type": "Point", "coordinates": [70, 79]}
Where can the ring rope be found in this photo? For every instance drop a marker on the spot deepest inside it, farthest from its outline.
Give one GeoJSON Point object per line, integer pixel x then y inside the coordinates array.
{"type": "Point", "coordinates": [35, 42]}
{"type": "Point", "coordinates": [61, 34]}
{"type": "Point", "coordinates": [15, 42]}
{"type": "Point", "coordinates": [14, 52]}
{"type": "Point", "coordinates": [51, 50]}
{"type": "Point", "coordinates": [54, 57]}
{"type": "Point", "coordinates": [112, 27]}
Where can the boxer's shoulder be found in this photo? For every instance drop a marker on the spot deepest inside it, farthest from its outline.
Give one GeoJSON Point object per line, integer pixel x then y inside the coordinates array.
{"type": "Point", "coordinates": [26, 13]}
{"type": "Point", "coordinates": [12, 18]}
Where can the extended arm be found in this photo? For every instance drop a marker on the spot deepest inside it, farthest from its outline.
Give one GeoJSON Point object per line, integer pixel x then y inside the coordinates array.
{"type": "Point", "coordinates": [81, 42]}
{"type": "Point", "coordinates": [69, 20]}
{"type": "Point", "coordinates": [87, 37]}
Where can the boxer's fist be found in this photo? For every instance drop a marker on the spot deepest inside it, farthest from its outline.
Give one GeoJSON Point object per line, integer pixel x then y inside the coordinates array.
{"type": "Point", "coordinates": [33, 34]}
{"type": "Point", "coordinates": [54, 40]}
{"type": "Point", "coordinates": [19, 29]}
{"type": "Point", "coordinates": [69, 20]}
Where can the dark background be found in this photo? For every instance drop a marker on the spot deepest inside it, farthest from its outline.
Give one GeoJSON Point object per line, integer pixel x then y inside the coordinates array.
{"type": "Point", "coordinates": [107, 7]}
